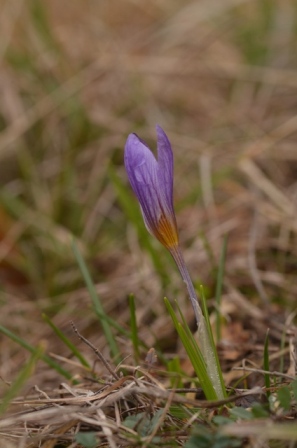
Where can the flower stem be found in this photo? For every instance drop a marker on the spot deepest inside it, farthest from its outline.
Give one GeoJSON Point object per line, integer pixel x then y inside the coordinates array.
{"type": "Point", "coordinates": [179, 260]}
{"type": "Point", "coordinates": [203, 336]}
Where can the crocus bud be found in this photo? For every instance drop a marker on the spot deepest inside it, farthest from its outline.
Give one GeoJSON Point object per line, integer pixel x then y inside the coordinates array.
{"type": "Point", "coordinates": [152, 182]}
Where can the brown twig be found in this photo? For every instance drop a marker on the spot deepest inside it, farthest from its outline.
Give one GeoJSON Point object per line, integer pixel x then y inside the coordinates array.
{"type": "Point", "coordinates": [96, 351]}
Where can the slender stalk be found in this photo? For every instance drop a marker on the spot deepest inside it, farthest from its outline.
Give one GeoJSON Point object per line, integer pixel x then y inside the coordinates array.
{"type": "Point", "coordinates": [203, 336]}
{"type": "Point", "coordinates": [179, 260]}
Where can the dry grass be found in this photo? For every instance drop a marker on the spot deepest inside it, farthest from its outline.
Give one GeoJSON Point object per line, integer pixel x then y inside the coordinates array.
{"type": "Point", "coordinates": [76, 79]}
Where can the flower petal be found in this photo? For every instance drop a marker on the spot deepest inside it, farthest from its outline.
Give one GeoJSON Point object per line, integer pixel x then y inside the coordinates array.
{"type": "Point", "coordinates": [165, 168]}
{"type": "Point", "coordinates": [142, 170]}
{"type": "Point", "coordinates": [152, 182]}
{"type": "Point", "coordinates": [165, 160]}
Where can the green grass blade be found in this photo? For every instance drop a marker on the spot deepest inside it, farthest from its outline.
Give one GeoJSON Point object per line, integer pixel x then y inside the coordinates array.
{"type": "Point", "coordinates": [32, 350]}
{"type": "Point", "coordinates": [174, 367]}
{"type": "Point", "coordinates": [266, 364]}
{"type": "Point", "coordinates": [190, 336]}
{"type": "Point", "coordinates": [113, 323]}
{"type": "Point", "coordinates": [193, 352]}
{"type": "Point", "coordinates": [57, 236]}
{"type": "Point", "coordinates": [41, 21]}
{"type": "Point", "coordinates": [22, 377]}
{"type": "Point", "coordinates": [219, 286]}
{"type": "Point", "coordinates": [99, 310]}
{"type": "Point", "coordinates": [197, 361]}
{"type": "Point", "coordinates": [134, 329]}
{"type": "Point", "coordinates": [212, 342]}
{"type": "Point", "coordinates": [66, 341]}
{"type": "Point", "coordinates": [186, 331]}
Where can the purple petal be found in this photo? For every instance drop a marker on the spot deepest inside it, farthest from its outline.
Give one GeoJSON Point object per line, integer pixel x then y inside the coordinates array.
{"type": "Point", "coordinates": [152, 182]}
{"type": "Point", "coordinates": [165, 165]}
{"type": "Point", "coordinates": [142, 170]}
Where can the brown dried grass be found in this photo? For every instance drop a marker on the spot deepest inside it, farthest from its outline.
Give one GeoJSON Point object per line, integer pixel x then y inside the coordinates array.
{"type": "Point", "coordinates": [233, 129]}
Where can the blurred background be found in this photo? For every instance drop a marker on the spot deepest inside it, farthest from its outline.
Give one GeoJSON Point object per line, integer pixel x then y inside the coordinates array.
{"type": "Point", "coordinates": [76, 78]}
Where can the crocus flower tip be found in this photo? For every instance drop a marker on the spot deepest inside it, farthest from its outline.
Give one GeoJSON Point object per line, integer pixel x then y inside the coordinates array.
{"type": "Point", "coordinates": [152, 182]}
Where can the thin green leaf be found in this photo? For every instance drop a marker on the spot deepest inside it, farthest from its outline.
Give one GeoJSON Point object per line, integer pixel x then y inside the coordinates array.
{"type": "Point", "coordinates": [22, 377]}
{"type": "Point", "coordinates": [66, 341]}
{"type": "Point", "coordinates": [133, 326]}
{"type": "Point", "coordinates": [32, 349]}
{"type": "Point", "coordinates": [99, 310]}
{"type": "Point", "coordinates": [193, 352]}
{"type": "Point", "coordinates": [266, 364]}
{"type": "Point", "coordinates": [183, 412]}
{"type": "Point", "coordinates": [212, 342]}
{"type": "Point", "coordinates": [173, 366]}
{"type": "Point", "coordinates": [189, 337]}
{"type": "Point", "coordinates": [42, 24]}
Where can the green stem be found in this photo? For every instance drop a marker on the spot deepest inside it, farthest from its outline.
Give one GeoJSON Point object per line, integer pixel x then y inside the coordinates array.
{"type": "Point", "coordinates": [203, 336]}
{"type": "Point", "coordinates": [179, 260]}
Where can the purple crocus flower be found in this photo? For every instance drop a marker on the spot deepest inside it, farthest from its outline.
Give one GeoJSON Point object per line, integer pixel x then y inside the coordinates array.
{"type": "Point", "coordinates": [152, 182]}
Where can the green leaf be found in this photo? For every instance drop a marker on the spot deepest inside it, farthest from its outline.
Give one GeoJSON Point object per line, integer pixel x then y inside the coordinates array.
{"type": "Point", "coordinates": [182, 412]}
{"type": "Point", "coordinates": [66, 341]}
{"type": "Point", "coordinates": [173, 366]}
{"type": "Point", "coordinates": [193, 352]}
{"type": "Point", "coordinates": [201, 441]}
{"type": "Point", "coordinates": [259, 411]}
{"type": "Point", "coordinates": [22, 377]}
{"type": "Point", "coordinates": [284, 397]}
{"type": "Point", "coordinates": [155, 420]}
{"type": "Point", "coordinates": [87, 439]}
{"type": "Point", "coordinates": [49, 361]}
{"type": "Point", "coordinates": [139, 422]}
{"type": "Point", "coordinates": [42, 24]}
{"type": "Point", "coordinates": [212, 343]}
{"type": "Point", "coordinates": [132, 420]}
{"type": "Point", "coordinates": [221, 420]}
{"type": "Point", "coordinates": [241, 413]}
{"type": "Point", "coordinates": [99, 310]}
{"type": "Point", "coordinates": [204, 438]}
{"type": "Point", "coordinates": [133, 326]}
{"type": "Point", "coordinates": [142, 423]}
